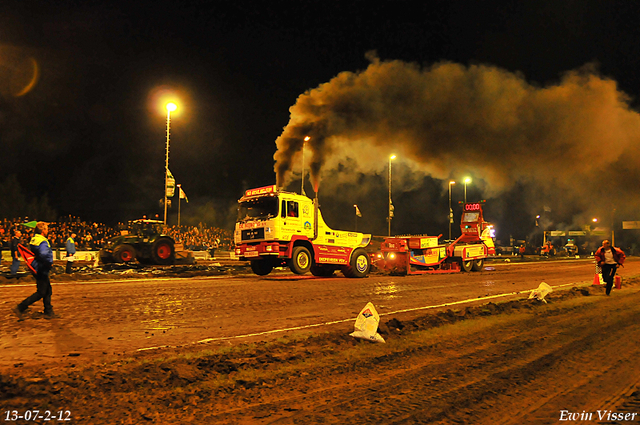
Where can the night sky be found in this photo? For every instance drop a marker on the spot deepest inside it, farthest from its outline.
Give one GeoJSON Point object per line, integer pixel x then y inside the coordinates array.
{"type": "Point", "coordinates": [90, 133]}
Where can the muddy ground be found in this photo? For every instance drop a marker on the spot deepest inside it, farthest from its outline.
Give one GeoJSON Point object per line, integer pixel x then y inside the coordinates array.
{"type": "Point", "coordinates": [509, 360]}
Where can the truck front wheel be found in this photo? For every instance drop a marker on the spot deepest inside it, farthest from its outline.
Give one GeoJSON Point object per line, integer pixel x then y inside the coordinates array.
{"type": "Point", "coordinates": [300, 262]}
{"type": "Point", "coordinates": [261, 267]}
{"type": "Point", "coordinates": [359, 265]}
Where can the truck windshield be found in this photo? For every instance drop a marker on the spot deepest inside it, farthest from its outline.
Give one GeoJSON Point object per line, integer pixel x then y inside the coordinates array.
{"type": "Point", "coordinates": [258, 208]}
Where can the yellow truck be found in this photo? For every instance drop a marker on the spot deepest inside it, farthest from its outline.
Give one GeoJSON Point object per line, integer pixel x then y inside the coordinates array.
{"type": "Point", "coordinates": [276, 228]}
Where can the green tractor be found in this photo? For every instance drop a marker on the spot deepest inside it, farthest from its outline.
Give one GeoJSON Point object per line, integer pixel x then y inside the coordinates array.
{"type": "Point", "coordinates": [144, 241]}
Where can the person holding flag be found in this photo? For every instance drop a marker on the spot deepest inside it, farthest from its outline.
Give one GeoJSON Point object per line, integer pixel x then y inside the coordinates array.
{"type": "Point", "coordinates": [42, 263]}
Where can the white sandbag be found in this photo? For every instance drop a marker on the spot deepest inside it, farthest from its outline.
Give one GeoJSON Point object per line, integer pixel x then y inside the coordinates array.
{"type": "Point", "coordinates": [366, 326]}
{"type": "Point", "coordinates": [541, 292]}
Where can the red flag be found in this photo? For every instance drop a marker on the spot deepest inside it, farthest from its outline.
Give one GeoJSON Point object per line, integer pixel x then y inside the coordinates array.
{"type": "Point", "coordinates": [28, 257]}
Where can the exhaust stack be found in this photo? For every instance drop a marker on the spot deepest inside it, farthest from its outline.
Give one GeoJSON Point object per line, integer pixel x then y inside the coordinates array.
{"type": "Point", "coordinates": [316, 207]}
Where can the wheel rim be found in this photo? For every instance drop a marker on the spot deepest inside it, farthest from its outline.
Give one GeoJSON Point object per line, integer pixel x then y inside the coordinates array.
{"type": "Point", "coordinates": [164, 251]}
{"type": "Point", "coordinates": [361, 263]}
{"type": "Point", "coordinates": [303, 260]}
{"type": "Point", "coordinates": [126, 255]}
{"type": "Point", "coordinates": [468, 264]}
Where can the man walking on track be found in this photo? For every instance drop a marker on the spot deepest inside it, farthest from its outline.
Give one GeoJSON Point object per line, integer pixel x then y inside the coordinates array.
{"type": "Point", "coordinates": [42, 262]}
{"type": "Point", "coordinates": [608, 258]}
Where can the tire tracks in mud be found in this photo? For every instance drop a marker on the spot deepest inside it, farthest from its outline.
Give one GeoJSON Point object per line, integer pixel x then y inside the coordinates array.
{"type": "Point", "coordinates": [575, 357]}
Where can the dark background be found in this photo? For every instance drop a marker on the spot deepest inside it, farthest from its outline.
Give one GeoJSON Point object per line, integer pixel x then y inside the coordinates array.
{"type": "Point", "coordinates": [89, 137]}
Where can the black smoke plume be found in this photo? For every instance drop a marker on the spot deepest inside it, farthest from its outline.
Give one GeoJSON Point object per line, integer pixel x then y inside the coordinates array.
{"type": "Point", "coordinates": [576, 139]}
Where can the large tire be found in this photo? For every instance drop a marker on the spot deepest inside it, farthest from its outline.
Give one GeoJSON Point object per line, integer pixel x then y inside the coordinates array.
{"type": "Point", "coordinates": [300, 262]}
{"type": "Point", "coordinates": [163, 251]}
{"type": "Point", "coordinates": [105, 257]}
{"type": "Point", "coordinates": [359, 265]}
{"type": "Point", "coordinates": [124, 253]}
{"type": "Point", "coordinates": [322, 270]}
{"type": "Point", "coordinates": [477, 264]}
{"type": "Point", "coordinates": [261, 267]}
{"type": "Point", "coordinates": [466, 265]}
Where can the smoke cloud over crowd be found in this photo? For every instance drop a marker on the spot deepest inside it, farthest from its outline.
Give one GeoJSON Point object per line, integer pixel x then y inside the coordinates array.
{"type": "Point", "coordinates": [576, 139]}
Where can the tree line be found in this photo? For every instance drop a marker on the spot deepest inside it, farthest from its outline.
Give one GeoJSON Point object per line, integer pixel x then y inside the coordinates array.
{"type": "Point", "coordinates": [15, 204]}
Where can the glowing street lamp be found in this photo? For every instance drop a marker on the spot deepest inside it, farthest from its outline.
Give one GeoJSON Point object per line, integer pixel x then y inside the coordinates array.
{"type": "Point", "coordinates": [170, 108]}
{"type": "Point", "coordinates": [450, 210]}
{"type": "Point", "coordinates": [306, 139]}
{"type": "Point", "coordinates": [467, 180]}
{"type": "Point", "coordinates": [392, 157]}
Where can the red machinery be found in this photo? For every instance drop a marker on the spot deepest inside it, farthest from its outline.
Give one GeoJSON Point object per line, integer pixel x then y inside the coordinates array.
{"type": "Point", "coordinates": [424, 254]}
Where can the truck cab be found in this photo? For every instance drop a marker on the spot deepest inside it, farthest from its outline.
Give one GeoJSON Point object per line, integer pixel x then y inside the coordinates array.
{"type": "Point", "coordinates": [277, 228]}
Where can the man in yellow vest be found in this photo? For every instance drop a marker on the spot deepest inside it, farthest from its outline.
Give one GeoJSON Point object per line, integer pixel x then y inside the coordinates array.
{"type": "Point", "coordinates": [42, 263]}
{"type": "Point", "coordinates": [71, 252]}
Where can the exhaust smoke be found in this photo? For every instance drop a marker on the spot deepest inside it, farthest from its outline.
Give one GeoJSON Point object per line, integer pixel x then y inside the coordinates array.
{"type": "Point", "coordinates": [577, 136]}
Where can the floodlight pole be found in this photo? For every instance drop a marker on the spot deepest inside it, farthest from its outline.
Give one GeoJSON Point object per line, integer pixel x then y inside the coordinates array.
{"type": "Point", "coordinates": [179, 189]}
{"type": "Point", "coordinates": [166, 165]}
{"type": "Point", "coordinates": [450, 210]}
{"type": "Point", "coordinates": [390, 211]}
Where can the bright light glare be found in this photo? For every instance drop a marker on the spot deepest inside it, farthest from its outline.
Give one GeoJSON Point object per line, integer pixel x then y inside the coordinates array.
{"type": "Point", "coordinates": [595, 220]}
{"type": "Point", "coordinates": [452, 182]}
{"type": "Point", "coordinates": [307, 138]}
{"type": "Point", "coordinates": [171, 107]}
{"type": "Point", "coordinates": [392, 157]}
{"type": "Point", "coordinates": [467, 180]}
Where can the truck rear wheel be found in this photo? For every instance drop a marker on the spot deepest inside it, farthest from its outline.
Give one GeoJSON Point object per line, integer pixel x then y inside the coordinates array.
{"type": "Point", "coordinates": [300, 262]}
{"type": "Point", "coordinates": [261, 267]}
{"type": "Point", "coordinates": [477, 264]}
{"type": "Point", "coordinates": [163, 252]}
{"type": "Point", "coordinates": [359, 265]}
{"type": "Point", "coordinates": [124, 253]}
{"type": "Point", "coordinates": [466, 265]}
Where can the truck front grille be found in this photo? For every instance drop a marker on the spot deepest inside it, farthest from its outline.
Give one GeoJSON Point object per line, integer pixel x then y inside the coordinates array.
{"type": "Point", "coordinates": [252, 234]}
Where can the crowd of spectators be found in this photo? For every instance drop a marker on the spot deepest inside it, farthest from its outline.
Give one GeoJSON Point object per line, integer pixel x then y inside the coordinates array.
{"type": "Point", "coordinates": [92, 236]}
{"type": "Point", "coordinates": [202, 237]}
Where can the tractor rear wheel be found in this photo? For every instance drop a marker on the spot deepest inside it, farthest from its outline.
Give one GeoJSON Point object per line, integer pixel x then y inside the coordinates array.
{"type": "Point", "coordinates": [163, 251]}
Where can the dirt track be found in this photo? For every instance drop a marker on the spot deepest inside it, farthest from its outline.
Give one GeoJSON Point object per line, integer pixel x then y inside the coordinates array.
{"type": "Point", "coordinates": [511, 361]}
